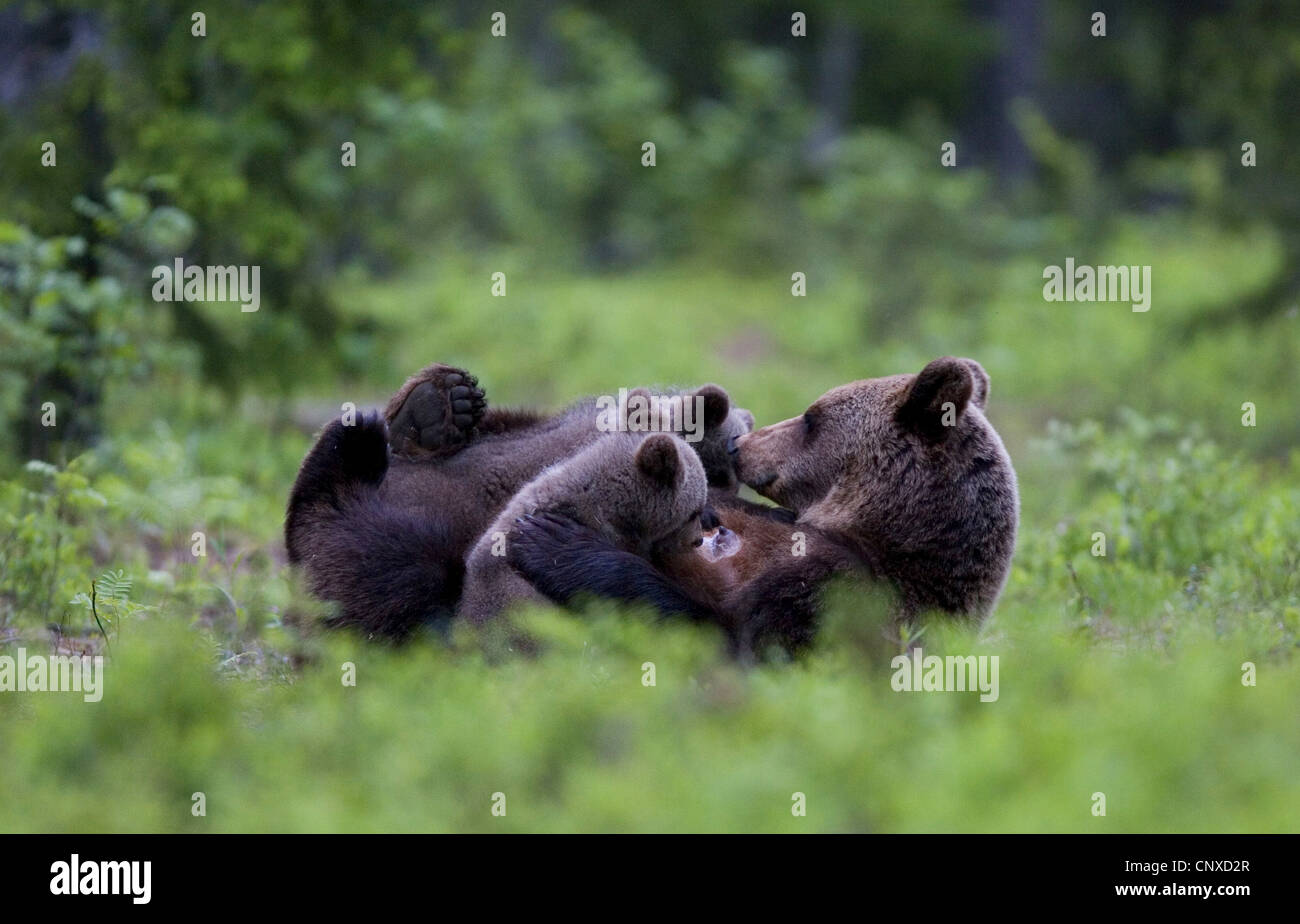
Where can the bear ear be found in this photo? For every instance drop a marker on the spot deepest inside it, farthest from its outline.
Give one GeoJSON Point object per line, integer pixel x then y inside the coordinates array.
{"type": "Point", "coordinates": [980, 393]}
{"type": "Point", "coordinates": [937, 397]}
{"type": "Point", "coordinates": [717, 405]}
{"type": "Point", "coordinates": [657, 459]}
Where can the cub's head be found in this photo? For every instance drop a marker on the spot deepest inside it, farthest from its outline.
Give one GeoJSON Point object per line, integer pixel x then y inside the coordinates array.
{"type": "Point", "coordinates": [723, 423]}
{"type": "Point", "coordinates": [644, 492]}
{"type": "Point", "coordinates": [705, 417]}
{"type": "Point", "coordinates": [662, 497]}
{"type": "Point", "coordinates": [908, 470]}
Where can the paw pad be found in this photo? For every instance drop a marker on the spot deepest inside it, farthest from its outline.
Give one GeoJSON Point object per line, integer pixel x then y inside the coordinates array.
{"type": "Point", "coordinates": [438, 413]}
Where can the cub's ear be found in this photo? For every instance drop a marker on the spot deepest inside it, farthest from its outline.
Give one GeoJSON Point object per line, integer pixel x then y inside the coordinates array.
{"type": "Point", "coordinates": [717, 405]}
{"type": "Point", "coordinates": [657, 459]}
{"type": "Point", "coordinates": [980, 393]}
{"type": "Point", "coordinates": [937, 397]}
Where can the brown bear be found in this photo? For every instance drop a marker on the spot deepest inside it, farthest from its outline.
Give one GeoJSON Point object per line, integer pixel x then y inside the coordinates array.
{"type": "Point", "coordinates": [901, 479]}
{"type": "Point", "coordinates": [383, 512]}
{"type": "Point", "coordinates": [643, 494]}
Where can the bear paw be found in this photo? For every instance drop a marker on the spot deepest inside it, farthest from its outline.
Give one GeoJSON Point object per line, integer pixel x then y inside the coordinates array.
{"type": "Point", "coordinates": [546, 547]}
{"type": "Point", "coordinates": [436, 412]}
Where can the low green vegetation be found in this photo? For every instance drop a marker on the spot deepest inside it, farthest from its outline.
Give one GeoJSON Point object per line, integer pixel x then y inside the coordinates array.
{"type": "Point", "coordinates": [1119, 674]}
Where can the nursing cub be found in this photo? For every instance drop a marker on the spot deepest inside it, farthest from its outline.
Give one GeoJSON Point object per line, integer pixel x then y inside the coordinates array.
{"type": "Point", "coordinates": [641, 494]}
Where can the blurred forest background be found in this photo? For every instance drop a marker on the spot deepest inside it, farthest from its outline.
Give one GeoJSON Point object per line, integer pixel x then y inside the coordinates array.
{"type": "Point", "coordinates": [775, 154]}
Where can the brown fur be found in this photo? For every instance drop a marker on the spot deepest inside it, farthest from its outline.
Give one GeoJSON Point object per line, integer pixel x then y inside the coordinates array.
{"type": "Point", "coordinates": [900, 479]}
{"type": "Point", "coordinates": [383, 530]}
{"type": "Point", "coordinates": [643, 494]}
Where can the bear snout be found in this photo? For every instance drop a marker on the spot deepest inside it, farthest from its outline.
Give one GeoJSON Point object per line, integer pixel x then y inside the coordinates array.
{"type": "Point", "coordinates": [750, 460]}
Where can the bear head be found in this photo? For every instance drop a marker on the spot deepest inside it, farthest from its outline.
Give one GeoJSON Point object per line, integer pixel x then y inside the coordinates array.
{"type": "Point", "coordinates": [723, 424]}
{"type": "Point", "coordinates": [644, 492]}
{"type": "Point", "coordinates": [705, 417]}
{"type": "Point", "coordinates": [907, 470]}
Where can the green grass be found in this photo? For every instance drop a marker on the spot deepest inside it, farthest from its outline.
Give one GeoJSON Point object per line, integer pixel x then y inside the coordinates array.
{"type": "Point", "coordinates": [1118, 674]}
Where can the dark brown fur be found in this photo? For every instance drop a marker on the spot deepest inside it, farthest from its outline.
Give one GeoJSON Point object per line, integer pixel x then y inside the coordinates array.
{"type": "Point", "coordinates": [380, 520]}
{"type": "Point", "coordinates": [643, 493]}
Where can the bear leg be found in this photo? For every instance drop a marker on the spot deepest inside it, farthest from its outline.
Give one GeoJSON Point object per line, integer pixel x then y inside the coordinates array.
{"type": "Point", "coordinates": [343, 457]}
{"type": "Point", "coordinates": [563, 559]}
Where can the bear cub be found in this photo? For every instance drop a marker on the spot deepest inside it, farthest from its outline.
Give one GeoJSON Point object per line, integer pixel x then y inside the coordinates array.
{"type": "Point", "coordinates": [643, 494]}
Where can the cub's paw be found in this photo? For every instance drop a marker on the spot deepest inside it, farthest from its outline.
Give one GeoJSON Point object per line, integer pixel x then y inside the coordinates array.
{"type": "Point", "coordinates": [539, 543]}
{"type": "Point", "coordinates": [435, 412]}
